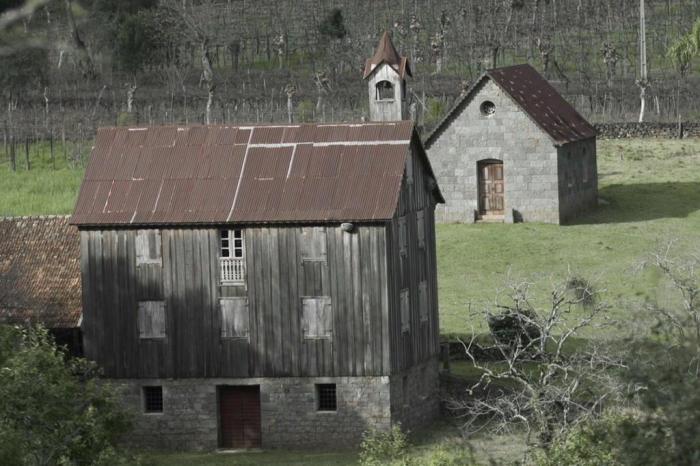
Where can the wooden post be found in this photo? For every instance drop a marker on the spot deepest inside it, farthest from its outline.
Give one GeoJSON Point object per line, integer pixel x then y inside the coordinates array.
{"type": "Point", "coordinates": [53, 154]}
{"type": "Point", "coordinates": [26, 152]}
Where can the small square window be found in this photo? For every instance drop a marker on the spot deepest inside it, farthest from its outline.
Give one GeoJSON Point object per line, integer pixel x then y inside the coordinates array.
{"type": "Point", "coordinates": [153, 399]}
{"type": "Point", "coordinates": [326, 397]}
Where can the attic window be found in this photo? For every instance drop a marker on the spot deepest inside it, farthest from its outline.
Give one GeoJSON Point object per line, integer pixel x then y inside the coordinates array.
{"type": "Point", "coordinates": [385, 90]}
{"type": "Point", "coordinates": [487, 108]}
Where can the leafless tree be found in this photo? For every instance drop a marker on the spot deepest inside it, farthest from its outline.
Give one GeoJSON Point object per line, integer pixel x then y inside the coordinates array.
{"type": "Point", "coordinates": [539, 382]}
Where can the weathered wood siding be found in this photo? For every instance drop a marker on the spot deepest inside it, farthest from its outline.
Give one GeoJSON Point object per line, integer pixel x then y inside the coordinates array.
{"type": "Point", "coordinates": [407, 271]}
{"type": "Point", "coordinates": [353, 274]}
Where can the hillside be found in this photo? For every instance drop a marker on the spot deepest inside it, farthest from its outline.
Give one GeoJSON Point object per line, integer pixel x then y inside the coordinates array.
{"type": "Point", "coordinates": [143, 61]}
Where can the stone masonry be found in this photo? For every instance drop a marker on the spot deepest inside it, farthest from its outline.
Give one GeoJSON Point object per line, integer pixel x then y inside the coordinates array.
{"type": "Point", "coordinates": [415, 400]}
{"type": "Point", "coordinates": [288, 409]}
{"type": "Point", "coordinates": [530, 160]}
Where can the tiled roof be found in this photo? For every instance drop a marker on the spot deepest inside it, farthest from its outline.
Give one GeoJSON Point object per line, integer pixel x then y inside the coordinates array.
{"type": "Point", "coordinates": [245, 174]}
{"type": "Point", "coordinates": [386, 53]}
{"type": "Point", "coordinates": [40, 271]}
{"type": "Point", "coordinates": [536, 97]}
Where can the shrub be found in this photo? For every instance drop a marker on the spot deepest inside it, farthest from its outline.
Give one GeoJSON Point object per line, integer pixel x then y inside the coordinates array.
{"type": "Point", "coordinates": [54, 410]}
{"type": "Point", "coordinates": [514, 327]}
{"type": "Point", "coordinates": [384, 447]}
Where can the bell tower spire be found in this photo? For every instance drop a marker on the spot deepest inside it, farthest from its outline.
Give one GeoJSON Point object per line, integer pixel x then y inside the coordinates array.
{"type": "Point", "coordinates": [385, 74]}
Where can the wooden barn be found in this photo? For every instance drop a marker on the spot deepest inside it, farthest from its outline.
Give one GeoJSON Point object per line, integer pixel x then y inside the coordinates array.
{"type": "Point", "coordinates": [262, 285]}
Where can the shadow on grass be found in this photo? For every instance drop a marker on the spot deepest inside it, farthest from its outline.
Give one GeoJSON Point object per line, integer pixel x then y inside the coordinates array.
{"type": "Point", "coordinates": [644, 201]}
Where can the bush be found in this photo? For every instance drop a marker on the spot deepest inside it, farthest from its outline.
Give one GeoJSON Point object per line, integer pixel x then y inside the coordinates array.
{"type": "Point", "coordinates": [384, 447]}
{"type": "Point", "coordinates": [54, 410]}
{"type": "Point", "coordinates": [514, 328]}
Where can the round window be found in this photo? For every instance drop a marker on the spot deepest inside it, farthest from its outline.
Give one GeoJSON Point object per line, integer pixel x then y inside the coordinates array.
{"type": "Point", "coordinates": [488, 108]}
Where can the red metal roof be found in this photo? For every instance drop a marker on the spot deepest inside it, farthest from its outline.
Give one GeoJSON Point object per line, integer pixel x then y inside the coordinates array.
{"type": "Point", "coordinates": [537, 98]}
{"type": "Point", "coordinates": [40, 272]}
{"type": "Point", "coordinates": [229, 174]}
{"type": "Point", "coordinates": [386, 53]}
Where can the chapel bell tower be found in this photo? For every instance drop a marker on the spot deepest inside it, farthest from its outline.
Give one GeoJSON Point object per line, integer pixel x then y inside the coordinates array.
{"type": "Point", "coordinates": [386, 74]}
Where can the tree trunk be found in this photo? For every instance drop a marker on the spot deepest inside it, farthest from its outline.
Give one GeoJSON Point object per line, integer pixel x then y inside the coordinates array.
{"type": "Point", "coordinates": [83, 59]}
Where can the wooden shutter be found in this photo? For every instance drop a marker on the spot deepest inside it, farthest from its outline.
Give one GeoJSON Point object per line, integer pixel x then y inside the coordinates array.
{"type": "Point", "coordinates": [317, 317]}
{"type": "Point", "coordinates": [420, 228]}
{"type": "Point", "coordinates": [148, 247]}
{"type": "Point", "coordinates": [403, 236]}
{"type": "Point", "coordinates": [234, 318]}
{"type": "Point", "coordinates": [405, 311]}
{"type": "Point", "coordinates": [409, 168]}
{"type": "Point", "coordinates": [313, 243]}
{"type": "Point", "coordinates": [423, 300]}
{"type": "Point", "coordinates": [151, 319]}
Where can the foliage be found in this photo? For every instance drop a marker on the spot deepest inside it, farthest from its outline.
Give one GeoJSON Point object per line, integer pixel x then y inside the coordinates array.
{"type": "Point", "coordinates": [384, 447]}
{"type": "Point", "coordinates": [54, 410]}
{"type": "Point", "coordinates": [126, 119]}
{"type": "Point", "coordinates": [305, 111]}
{"type": "Point", "coordinates": [333, 25]}
{"type": "Point", "coordinates": [685, 48]}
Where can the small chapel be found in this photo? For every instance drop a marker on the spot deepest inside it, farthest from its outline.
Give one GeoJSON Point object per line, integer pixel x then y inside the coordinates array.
{"type": "Point", "coordinates": [511, 149]}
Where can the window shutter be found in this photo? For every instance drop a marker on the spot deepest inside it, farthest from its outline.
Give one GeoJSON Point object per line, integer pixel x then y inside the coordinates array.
{"type": "Point", "coordinates": [235, 318]}
{"type": "Point", "coordinates": [423, 300]}
{"type": "Point", "coordinates": [313, 243]}
{"type": "Point", "coordinates": [148, 247]}
{"type": "Point", "coordinates": [409, 168]}
{"type": "Point", "coordinates": [405, 311]}
{"type": "Point", "coordinates": [151, 319]}
{"type": "Point", "coordinates": [403, 236]}
{"type": "Point", "coordinates": [420, 225]}
{"type": "Point", "coordinates": [317, 317]}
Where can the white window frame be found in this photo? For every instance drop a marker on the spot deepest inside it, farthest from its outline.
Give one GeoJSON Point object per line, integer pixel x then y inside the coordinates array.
{"type": "Point", "coordinates": [227, 243]}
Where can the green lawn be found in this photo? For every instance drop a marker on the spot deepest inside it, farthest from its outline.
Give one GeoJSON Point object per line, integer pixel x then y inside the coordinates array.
{"type": "Point", "coordinates": [652, 190]}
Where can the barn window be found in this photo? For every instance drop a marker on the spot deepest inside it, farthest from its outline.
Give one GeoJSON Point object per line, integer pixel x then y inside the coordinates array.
{"type": "Point", "coordinates": [487, 108]}
{"type": "Point", "coordinates": [326, 397]}
{"type": "Point", "coordinates": [234, 317]}
{"type": "Point", "coordinates": [153, 399]}
{"type": "Point", "coordinates": [405, 311]}
{"type": "Point", "coordinates": [423, 300]}
{"type": "Point", "coordinates": [420, 227]}
{"type": "Point", "coordinates": [232, 256]}
{"type": "Point", "coordinates": [385, 90]}
{"type": "Point", "coordinates": [403, 236]}
{"type": "Point", "coordinates": [317, 317]}
{"type": "Point", "coordinates": [151, 319]}
{"type": "Point", "coordinates": [313, 244]}
{"type": "Point", "coordinates": [148, 247]}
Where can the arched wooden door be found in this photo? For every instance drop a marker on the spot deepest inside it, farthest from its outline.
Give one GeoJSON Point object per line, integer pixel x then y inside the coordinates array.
{"type": "Point", "coordinates": [491, 188]}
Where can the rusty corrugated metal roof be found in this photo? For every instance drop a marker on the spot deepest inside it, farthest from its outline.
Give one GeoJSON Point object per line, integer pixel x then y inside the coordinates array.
{"type": "Point", "coordinates": [229, 174]}
{"type": "Point", "coordinates": [40, 271]}
{"type": "Point", "coordinates": [386, 53]}
{"type": "Point", "coordinates": [536, 97]}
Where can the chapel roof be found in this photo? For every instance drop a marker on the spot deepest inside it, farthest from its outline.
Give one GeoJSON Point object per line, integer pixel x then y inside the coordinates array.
{"type": "Point", "coordinates": [386, 53]}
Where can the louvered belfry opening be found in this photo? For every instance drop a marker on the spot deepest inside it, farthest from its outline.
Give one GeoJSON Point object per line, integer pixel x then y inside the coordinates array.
{"type": "Point", "coordinates": [239, 417]}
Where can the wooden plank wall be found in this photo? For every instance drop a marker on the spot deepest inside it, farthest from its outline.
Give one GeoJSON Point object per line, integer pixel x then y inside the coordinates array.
{"type": "Point", "coordinates": [353, 274]}
{"type": "Point", "coordinates": [421, 342]}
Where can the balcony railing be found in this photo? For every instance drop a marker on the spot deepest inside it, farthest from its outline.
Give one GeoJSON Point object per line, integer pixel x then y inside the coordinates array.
{"type": "Point", "coordinates": [232, 270]}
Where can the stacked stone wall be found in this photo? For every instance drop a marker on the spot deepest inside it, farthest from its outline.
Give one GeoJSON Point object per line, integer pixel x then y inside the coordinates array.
{"type": "Point", "coordinates": [415, 395]}
{"type": "Point", "coordinates": [647, 130]}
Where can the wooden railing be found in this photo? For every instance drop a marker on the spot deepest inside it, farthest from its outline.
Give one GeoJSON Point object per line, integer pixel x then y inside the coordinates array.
{"type": "Point", "coordinates": [232, 270]}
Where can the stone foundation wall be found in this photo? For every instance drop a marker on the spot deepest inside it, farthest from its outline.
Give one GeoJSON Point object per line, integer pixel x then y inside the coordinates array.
{"type": "Point", "coordinates": [647, 130]}
{"type": "Point", "coordinates": [415, 395]}
{"type": "Point", "coordinates": [289, 418]}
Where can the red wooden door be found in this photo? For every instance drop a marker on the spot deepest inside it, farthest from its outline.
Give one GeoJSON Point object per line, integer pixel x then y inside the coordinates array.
{"type": "Point", "coordinates": [491, 188]}
{"type": "Point", "coordinates": [239, 417]}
